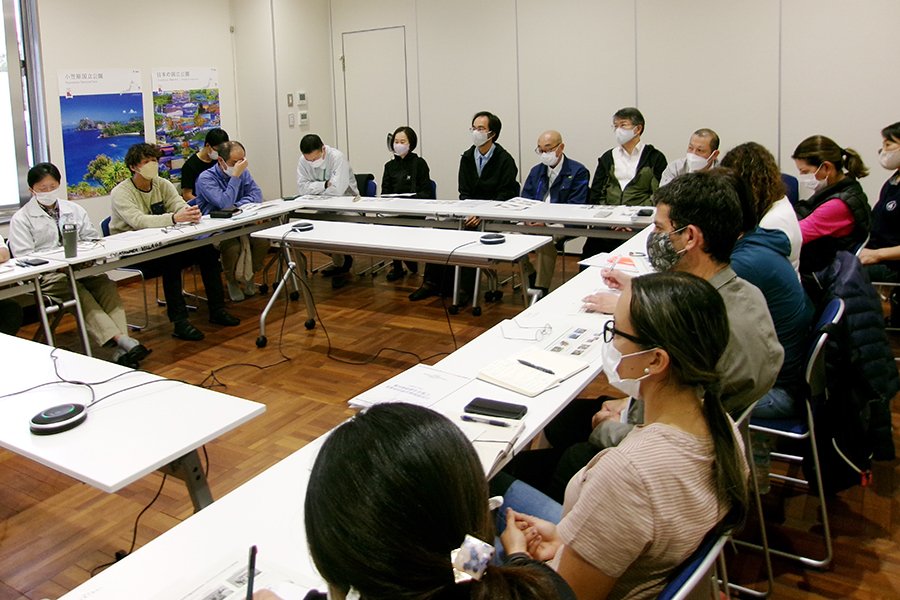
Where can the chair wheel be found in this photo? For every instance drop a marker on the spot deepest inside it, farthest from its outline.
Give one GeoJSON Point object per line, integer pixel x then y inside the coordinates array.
{"type": "Point", "coordinates": [497, 295]}
{"type": "Point", "coordinates": [261, 341]}
{"type": "Point", "coordinates": [454, 309]}
{"type": "Point", "coordinates": [309, 323]}
{"type": "Point", "coordinates": [264, 288]}
{"type": "Point", "coordinates": [476, 311]}
{"type": "Point", "coordinates": [295, 296]}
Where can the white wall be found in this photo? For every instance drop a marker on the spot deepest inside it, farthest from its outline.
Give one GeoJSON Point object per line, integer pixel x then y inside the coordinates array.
{"type": "Point", "coordinates": [771, 71]}
{"type": "Point", "coordinates": [113, 34]}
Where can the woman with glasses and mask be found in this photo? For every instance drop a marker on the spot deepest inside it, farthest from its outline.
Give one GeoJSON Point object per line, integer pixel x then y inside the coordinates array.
{"type": "Point", "coordinates": [837, 215]}
{"type": "Point", "coordinates": [393, 492]}
{"type": "Point", "coordinates": [638, 510]}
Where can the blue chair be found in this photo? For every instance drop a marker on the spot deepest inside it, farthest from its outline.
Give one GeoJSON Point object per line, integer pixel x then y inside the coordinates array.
{"type": "Point", "coordinates": [698, 573]}
{"type": "Point", "coordinates": [365, 183]}
{"type": "Point", "coordinates": [802, 428]}
{"type": "Point", "coordinates": [433, 188]}
{"type": "Point", "coordinates": [792, 186]}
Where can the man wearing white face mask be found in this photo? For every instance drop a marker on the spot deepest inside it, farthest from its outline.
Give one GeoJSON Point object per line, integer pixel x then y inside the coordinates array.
{"type": "Point", "coordinates": [146, 200]}
{"type": "Point", "coordinates": [325, 171]}
{"type": "Point", "coordinates": [837, 216]}
{"type": "Point", "coordinates": [200, 161]}
{"type": "Point", "coordinates": [227, 186]}
{"type": "Point", "coordinates": [627, 174]}
{"type": "Point", "coordinates": [37, 227]}
{"type": "Point", "coordinates": [557, 179]}
{"type": "Point", "coordinates": [702, 155]}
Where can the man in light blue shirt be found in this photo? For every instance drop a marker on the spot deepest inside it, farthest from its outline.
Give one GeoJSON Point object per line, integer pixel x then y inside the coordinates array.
{"type": "Point", "coordinates": [226, 186]}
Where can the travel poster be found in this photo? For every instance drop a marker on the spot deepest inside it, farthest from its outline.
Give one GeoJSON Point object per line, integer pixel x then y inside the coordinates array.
{"type": "Point", "coordinates": [185, 107]}
{"type": "Point", "coordinates": [102, 114]}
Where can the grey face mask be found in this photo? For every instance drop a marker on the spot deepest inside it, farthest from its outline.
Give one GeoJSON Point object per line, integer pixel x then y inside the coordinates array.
{"type": "Point", "coordinates": [661, 251]}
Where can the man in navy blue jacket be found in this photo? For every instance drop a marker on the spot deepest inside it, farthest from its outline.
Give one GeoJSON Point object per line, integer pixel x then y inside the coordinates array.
{"type": "Point", "coordinates": [559, 180]}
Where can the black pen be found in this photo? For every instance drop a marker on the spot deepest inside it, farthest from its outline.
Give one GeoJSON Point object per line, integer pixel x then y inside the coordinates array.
{"type": "Point", "coordinates": [534, 366]}
{"type": "Point", "coordinates": [472, 419]}
{"type": "Point", "coordinates": [251, 571]}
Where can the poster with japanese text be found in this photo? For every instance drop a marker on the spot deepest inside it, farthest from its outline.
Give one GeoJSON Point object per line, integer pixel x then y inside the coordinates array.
{"type": "Point", "coordinates": [185, 107]}
{"type": "Point", "coordinates": [102, 114]}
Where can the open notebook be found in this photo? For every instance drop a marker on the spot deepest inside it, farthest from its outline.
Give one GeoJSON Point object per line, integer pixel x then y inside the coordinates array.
{"type": "Point", "coordinates": [493, 444]}
{"type": "Point", "coordinates": [544, 370]}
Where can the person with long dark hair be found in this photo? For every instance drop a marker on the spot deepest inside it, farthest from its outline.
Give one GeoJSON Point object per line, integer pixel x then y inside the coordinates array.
{"type": "Point", "coordinates": [837, 216]}
{"type": "Point", "coordinates": [392, 493]}
{"type": "Point", "coordinates": [638, 510]}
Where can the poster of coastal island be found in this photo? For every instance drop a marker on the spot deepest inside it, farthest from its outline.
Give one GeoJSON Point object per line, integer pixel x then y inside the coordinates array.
{"type": "Point", "coordinates": [185, 107]}
{"type": "Point", "coordinates": [102, 115]}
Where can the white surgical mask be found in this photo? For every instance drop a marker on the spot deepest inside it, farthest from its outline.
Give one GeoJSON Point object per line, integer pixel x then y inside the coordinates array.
{"type": "Point", "coordinates": [401, 149]}
{"type": "Point", "coordinates": [479, 138]}
{"type": "Point", "coordinates": [612, 358]}
{"type": "Point", "coordinates": [214, 155]}
{"type": "Point", "coordinates": [228, 170]}
{"type": "Point", "coordinates": [150, 170]}
{"type": "Point", "coordinates": [549, 158]}
{"type": "Point", "coordinates": [316, 164]}
{"type": "Point", "coordinates": [694, 162]}
{"type": "Point", "coordinates": [809, 181]}
{"type": "Point", "coordinates": [623, 136]}
{"type": "Point", "coordinates": [47, 198]}
{"type": "Point", "coordinates": [890, 159]}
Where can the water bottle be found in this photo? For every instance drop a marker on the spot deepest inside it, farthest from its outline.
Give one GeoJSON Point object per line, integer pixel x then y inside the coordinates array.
{"type": "Point", "coordinates": [70, 236]}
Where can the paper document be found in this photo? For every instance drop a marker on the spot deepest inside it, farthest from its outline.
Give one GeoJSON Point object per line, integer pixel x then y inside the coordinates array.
{"type": "Point", "coordinates": [493, 444]}
{"type": "Point", "coordinates": [404, 195]}
{"type": "Point", "coordinates": [627, 263]}
{"type": "Point", "coordinates": [532, 371]}
{"type": "Point", "coordinates": [421, 385]}
{"type": "Point", "coordinates": [519, 204]}
{"type": "Point", "coordinates": [231, 583]}
{"type": "Point", "coordinates": [583, 342]}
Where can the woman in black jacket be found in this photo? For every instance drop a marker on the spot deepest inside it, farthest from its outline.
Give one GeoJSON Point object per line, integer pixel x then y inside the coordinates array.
{"type": "Point", "coordinates": [405, 173]}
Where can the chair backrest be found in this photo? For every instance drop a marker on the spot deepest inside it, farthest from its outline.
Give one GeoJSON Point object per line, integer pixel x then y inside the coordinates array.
{"type": "Point", "coordinates": [815, 364]}
{"type": "Point", "coordinates": [693, 575]}
{"type": "Point", "coordinates": [792, 186]}
{"type": "Point", "coordinates": [104, 226]}
{"type": "Point", "coordinates": [365, 183]}
{"type": "Point", "coordinates": [433, 188]}
{"type": "Point", "coordinates": [858, 248]}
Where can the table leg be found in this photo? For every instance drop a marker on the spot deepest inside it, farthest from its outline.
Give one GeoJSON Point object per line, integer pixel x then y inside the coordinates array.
{"type": "Point", "coordinates": [42, 310]}
{"type": "Point", "coordinates": [524, 285]}
{"type": "Point", "coordinates": [307, 296]}
{"type": "Point", "coordinates": [476, 291]}
{"type": "Point", "coordinates": [188, 469]}
{"type": "Point", "coordinates": [79, 315]}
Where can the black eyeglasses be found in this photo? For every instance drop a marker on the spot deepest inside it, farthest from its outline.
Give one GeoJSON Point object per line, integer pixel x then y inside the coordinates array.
{"type": "Point", "coordinates": [610, 331]}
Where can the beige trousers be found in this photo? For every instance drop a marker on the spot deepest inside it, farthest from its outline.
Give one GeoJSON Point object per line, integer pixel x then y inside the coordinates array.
{"type": "Point", "coordinates": [104, 314]}
{"type": "Point", "coordinates": [231, 249]}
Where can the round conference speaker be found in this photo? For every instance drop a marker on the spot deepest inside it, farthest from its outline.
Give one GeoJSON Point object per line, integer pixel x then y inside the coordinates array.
{"type": "Point", "coordinates": [493, 238]}
{"type": "Point", "coordinates": [302, 226]}
{"type": "Point", "coordinates": [58, 418]}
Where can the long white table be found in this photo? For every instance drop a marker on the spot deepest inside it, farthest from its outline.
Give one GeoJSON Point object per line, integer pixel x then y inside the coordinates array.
{"type": "Point", "coordinates": [268, 509]}
{"type": "Point", "coordinates": [133, 433]}
{"type": "Point", "coordinates": [452, 247]}
{"type": "Point", "coordinates": [17, 278]}
{"type": "Point", "coordinates": [583, 219]}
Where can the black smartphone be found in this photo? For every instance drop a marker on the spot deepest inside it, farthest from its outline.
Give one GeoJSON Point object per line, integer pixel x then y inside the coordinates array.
{"type": "Point", "coordinates": [496, 408]}
{"type": "Point", "coordinates": [645, 212]}
{"type": "Point", "coordinates": [33, 262]}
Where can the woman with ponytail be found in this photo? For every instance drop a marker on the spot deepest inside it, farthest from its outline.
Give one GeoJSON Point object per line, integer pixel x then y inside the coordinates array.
{"type": "Point", "coordinates": [392, 493]}
{"type": "Point", "coordinates": [837, 216]}
{"type": "Point", "coordinates": [638, 510]}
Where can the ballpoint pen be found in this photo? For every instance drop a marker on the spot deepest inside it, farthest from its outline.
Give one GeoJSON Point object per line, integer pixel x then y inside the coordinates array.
{"type": "Point", "coordinates": [534, 366]}
{"type": "Point", "coordinates": [472, 419]}
{"type": "Point", "coordinates": [251, 572]}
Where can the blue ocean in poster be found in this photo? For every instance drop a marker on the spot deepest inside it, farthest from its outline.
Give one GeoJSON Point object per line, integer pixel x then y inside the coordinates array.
{"type": "Point", "coordinates": [94, 126]}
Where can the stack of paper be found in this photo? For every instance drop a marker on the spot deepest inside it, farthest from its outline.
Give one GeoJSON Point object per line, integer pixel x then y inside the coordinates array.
{"type": "Point", "coordinates": [532, 371]}
{"type": "Point", "coordinates": [421, 385]}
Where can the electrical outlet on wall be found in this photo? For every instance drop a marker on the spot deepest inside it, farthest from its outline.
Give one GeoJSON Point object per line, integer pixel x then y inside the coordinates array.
{"type": "Point", "coordinates": [302, 100]}
{"type": "Point", "coordinates": [290, 99]}
{"type": "Point", "coordinates": [291, 119]}
{"type": "Point", "coordinates": [304, 118]}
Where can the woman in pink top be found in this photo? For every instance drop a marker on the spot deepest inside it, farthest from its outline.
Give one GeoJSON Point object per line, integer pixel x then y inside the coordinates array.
{"type": "Point", "coordinates": [837, 216]}
{"type": "Point", "coordinates": [638, 510]}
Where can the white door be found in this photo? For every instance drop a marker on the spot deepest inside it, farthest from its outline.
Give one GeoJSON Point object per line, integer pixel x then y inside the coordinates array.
{"type": "Point", "coordinates": [375, 94]}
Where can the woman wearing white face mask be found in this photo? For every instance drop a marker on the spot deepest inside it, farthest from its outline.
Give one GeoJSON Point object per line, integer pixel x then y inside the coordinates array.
{"type": "Point", "coordinates": [636, 511]}
{"type": "Point", "coordinates": [837, 216]}
{"type": "Point", "coordinates": [881, 255]}
{"type": "Point", "coordinates": [405, 173]}
{"type": "Point", "coordinates": [37, 227]}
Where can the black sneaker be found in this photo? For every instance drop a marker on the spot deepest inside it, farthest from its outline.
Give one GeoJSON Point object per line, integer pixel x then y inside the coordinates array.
{"type": "Point", "coordinates": [223, 317]}
{"type": "Point", "coordinates": [395, 274]}
{"type": "Point", "coordinates": [339, 281]}
{"type": "Point", "coordinates": [185, 331]}
{"type": "Point", "coordinates": [139, 353]}
{"type": "Point", "coordinates": [126, 361]}
{"type": "Point", "coordinates": [334, 270]}
{"type": "Point", "coordinates": [425, 291]}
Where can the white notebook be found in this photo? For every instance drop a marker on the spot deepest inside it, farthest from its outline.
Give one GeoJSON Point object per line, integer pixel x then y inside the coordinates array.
{"type": "Point", "coordinates": [545, 370]}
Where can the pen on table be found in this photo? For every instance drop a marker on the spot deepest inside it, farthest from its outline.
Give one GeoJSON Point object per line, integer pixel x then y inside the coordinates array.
{"type": "Point", "coordinates": [534, 366]}
{"type": "Point", "coordinates": [472, 419]}
{"type": "Point", "coordinates": [251, 572]}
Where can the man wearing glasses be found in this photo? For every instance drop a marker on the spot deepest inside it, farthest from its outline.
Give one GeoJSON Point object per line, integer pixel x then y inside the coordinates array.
{"type": "Point", "coordinates": [559, 180]}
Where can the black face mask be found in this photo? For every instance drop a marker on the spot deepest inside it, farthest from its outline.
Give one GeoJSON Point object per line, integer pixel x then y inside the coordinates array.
{"type": "Point", "coordinates": [158, 208]}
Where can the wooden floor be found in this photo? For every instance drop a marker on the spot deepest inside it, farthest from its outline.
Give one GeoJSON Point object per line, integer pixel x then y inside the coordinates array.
{"type": "Point", "coordinates": [55, 530]}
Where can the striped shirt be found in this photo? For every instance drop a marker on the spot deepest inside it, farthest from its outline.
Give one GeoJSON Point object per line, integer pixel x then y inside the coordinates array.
{"type": "Point", "coordinates": [636, 511]}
